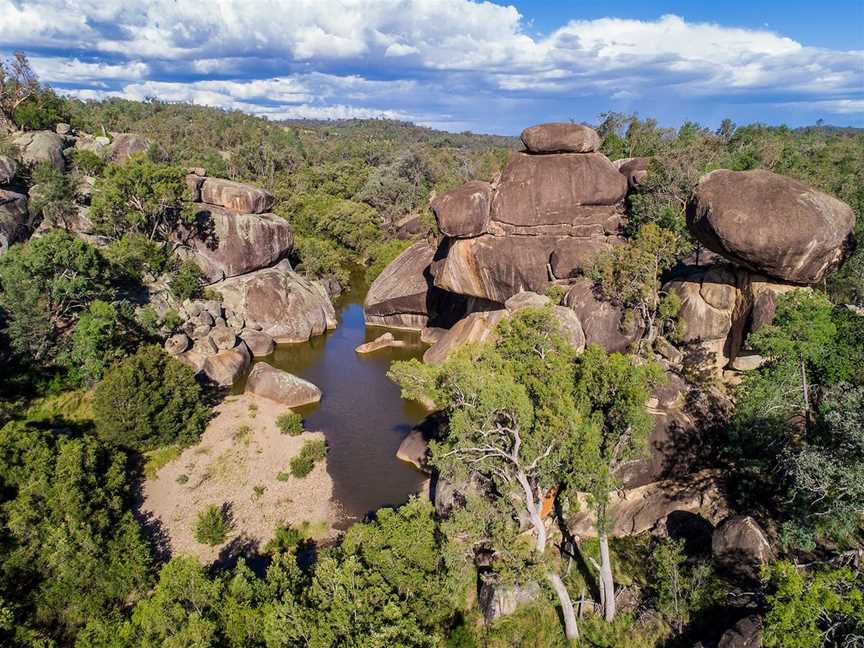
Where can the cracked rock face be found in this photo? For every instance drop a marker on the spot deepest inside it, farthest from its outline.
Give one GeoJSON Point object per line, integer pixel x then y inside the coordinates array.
{"type": "Point", "coordinates": [771, 224]}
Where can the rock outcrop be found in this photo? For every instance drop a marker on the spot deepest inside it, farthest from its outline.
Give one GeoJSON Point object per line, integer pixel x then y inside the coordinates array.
{"type": "Point", "coordinates": [771, 224]}
{"type": "Point", "coordinates": [280, 386]}
{"type": "Point", "coordinates": [125, 145]}
{"type": "Point", "coordinates": [746, 633]}
{"type": "Point", "coordinates": [634, 169]}
{"type": "Point", "coordinates": [399, 296]}
{"type": "Point", "coordinates": [237, 197]}
{"type": "Point", "coordinates": [8, 169]}
{"type": "Point", "coordinates": [641, 509]}
{"type": "Point", "coordinates": [741, 546]}
{"type": "Point", "coordinates": [41, 146]}
{"type": "Point", "coordinates": [13, 218]}
{"type": "Point", "coordinates": [383, 341]}
{"type": "Point", "coordinates": [279, 302]}
{"type": "Point", "coordinates": [464, 212]}
{"type": "Point", "coordinates": [603, 322]}
{"type": "Point", "coordinates": [227, 244]}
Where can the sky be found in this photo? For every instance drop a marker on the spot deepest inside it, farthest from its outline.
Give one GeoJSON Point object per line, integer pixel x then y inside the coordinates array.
{"type": "Point", "coordinates": [458, 64]}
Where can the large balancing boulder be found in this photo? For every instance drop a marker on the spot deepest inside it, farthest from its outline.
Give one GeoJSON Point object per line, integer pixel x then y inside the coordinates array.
{"type": "Point", "coordinates": [235, 196]}
{"type": "Point", "coordinates": [227, 244]}
{"type": "Point", "coordinates": [771, 224]}
{"type": "Point", "coordinates": [560, 137]}
{"type": "Point", "coordinates": [280, 386]}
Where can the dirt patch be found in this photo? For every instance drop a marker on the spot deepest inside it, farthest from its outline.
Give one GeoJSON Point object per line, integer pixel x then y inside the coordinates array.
{"type": "Point", "coordinates": [236, 465]}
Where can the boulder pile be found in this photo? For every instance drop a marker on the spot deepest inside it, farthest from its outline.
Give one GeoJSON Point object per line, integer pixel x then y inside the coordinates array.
{"type": "Point", "coordinates": [233, 234]}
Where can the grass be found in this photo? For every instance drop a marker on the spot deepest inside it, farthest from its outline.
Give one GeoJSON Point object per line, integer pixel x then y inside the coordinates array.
{"type": "Point", "coordinates": [290, 423]}
{"type": "Point", "coordinates": [288, 537]}
{"type": "Point", "coordinates": [253, 409]}
{"type": "Point", "coordinates": [157, 459]}
{"type": "Point", "coordinates": [213, 525]}
{"type": "Point", "coordinates": [311, 453]}
{"type": "Point", "coordinates": [283, 476]}
{"type": "Point", "coordinates": [243, 435]}
{"type": "Point", "coordinates": [75, 406]}
{"type": "Point", "coordinates": [225, 468]}
{"type": "Point", "coordinates": [258, 491]}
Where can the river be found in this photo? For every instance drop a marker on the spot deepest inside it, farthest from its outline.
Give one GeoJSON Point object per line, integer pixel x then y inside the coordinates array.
{"type": "Point", "coordinates": [361, 412]}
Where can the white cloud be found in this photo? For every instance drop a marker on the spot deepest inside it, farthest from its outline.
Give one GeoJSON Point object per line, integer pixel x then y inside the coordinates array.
{"type": "Point", "coordinates": [390, 54]}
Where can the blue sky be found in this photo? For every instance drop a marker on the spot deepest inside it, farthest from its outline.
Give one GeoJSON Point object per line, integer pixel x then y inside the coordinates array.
{"type": "Point", "coordinates": [458, 64]}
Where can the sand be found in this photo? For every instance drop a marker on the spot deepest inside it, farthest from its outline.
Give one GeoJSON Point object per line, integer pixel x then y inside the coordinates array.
{"type": "Point", "coordinates": [241, 449]}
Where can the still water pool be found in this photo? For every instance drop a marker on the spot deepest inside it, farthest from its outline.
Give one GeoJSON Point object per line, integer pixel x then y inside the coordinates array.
{"type": "Point", "coordinates": [361, 412]}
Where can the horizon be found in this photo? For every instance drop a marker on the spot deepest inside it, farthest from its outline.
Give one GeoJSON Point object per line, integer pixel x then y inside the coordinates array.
{"type": "Point", "coordinates": [458, 65]}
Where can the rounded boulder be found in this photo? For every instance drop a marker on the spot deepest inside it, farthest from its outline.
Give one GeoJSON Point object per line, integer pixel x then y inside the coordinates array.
{"type": "Point", "coordinates": [771, 224]}
{"type": "Point", "coordinates": [560, 137]}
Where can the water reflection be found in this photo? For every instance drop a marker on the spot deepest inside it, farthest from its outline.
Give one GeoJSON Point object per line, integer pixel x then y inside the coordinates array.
{"type": "Point", "coordinates": [361, 412]}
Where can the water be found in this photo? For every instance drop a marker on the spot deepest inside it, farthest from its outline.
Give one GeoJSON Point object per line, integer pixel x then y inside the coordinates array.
{"type": "Point", "coordinates": [361, 412]}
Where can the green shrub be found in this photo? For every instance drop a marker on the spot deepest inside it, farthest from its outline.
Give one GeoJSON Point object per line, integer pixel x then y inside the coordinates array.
{"type": "Point", "coordinates": [137, 256]}
{"type": "Point", "coordinates": [283, 476]}
{"type": "Point", "coordinates": [149, 400]}
{"type": "Point", "coordinates": [285, 539]}
{"type": "Point", "coordinates": [213, 526]}
{"type": "Point", "coordinates": [186, 283]}
{"type": "Point", "coordinates": [88, 162]}
{"type": "Point", "coordinates": [290, 423]}
{"type": "Point", "coordinates": [310, 454]}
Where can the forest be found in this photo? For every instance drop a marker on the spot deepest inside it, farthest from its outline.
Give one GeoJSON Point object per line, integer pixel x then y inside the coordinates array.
{"type": "Point", "coordinates": [89, 399]}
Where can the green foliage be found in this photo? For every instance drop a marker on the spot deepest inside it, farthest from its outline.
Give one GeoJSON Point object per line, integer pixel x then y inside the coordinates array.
{"type": "Point", "coordinates": [681, 590]}
{"type": "Point", "coordinates": [381, 254]}
{"type": "Point", "coordinates": [290, 423]}
{"type": "Point", "coordinates": [798, 417]}
{"type": "Point", "coordinates": [139, 257]}
{"type": "Point", "coordinates": [140, 196]}
{"type": "Point", "coordinates": [41, 111]}
{"type": "Point", "coordinates": [285, 539]}
{"type": "Point", "coordinates": [148, 400]}
{"type": "Point", "coordinates": [53, 195]}
{"type": "Point", "coordinates": [46, 283]}
{"type": "Point", "coordinates": [556, 293]}
{"type": "Point", "coordinates": [87, 162]}
{"type": "Point", "coordinates": [186, 282]}
{"type": "Point", "coordinates": [311, 453]}
{"type": "Point", "coordinates": [813, 609]}
{"type": "Point", "coordinates": [321, 258]}
{"type": "Point", "coordinates": [71, 548]}
{"type": "Point", "coordinates": [631, 274]}
{"type": "Point", "coordinates": [213, 525]}
{"type": "Point", "coordinates": [612, 389]}
{"type": "Point", "coordinates": [98, 341]}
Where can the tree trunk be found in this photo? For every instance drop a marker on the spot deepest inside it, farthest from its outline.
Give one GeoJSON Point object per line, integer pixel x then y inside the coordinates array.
{"type": "Point", "coordinates": [571, 630]}
{"type": "Point", "coordinates": [805, 388]}
{"type": "Point", "coordinates": [607, 584]}
{"type": "Point", "coordinates": [533, 512]}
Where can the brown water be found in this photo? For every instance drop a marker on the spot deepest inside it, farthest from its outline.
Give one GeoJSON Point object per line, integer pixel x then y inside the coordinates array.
{"type": "Point", "coordinates": [361, 412]}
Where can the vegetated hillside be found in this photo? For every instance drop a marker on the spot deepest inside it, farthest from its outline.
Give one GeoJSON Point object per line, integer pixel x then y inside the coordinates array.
{"type": "Point", "coordinates": [92, 282]}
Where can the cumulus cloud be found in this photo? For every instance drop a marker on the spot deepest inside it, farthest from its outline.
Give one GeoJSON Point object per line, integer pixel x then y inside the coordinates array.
{"type": "Point", "coordinates": [442, 61]}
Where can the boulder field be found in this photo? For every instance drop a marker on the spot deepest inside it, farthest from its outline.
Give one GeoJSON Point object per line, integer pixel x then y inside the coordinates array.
{"type": "Point", "coordinates": [236, 241]}
{"type": "Point", "coordinates": [557, 206]}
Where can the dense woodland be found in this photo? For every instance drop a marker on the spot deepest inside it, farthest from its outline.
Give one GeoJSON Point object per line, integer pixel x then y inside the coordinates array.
{"type": "Point", "coordinates": [87, 396]}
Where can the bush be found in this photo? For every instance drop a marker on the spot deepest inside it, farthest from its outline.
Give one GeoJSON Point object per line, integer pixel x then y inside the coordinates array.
{"type": "Point", "coordinates": [286, 539]}
{"type": "Point", "coordinates": [213, 525]}
{"type": "Point", "coordinates": [186, 284]}
{"type": "Point", "coordinates": [149, 400]}
{"type": "Point", "coordinates": [290, 423]}
{"type": "Point", "coordinates": [137, 256]}
{"type": "Point", "coordinates": [88, 162]}
{"type": "Point", "coordinates": [311, 453]}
